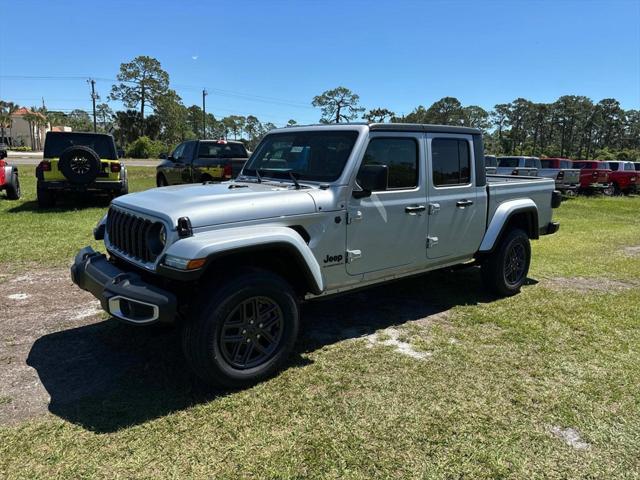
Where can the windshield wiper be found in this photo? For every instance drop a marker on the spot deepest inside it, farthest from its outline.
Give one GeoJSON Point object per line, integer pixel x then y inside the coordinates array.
{"type": "Point", "coordinates": [295, 180]}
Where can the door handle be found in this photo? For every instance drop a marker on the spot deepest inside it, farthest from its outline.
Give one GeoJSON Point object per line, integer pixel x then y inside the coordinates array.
{"type": "Point", "coordinates": [415, 209]}
{"type": "Point", "coordinates": [464, 203]}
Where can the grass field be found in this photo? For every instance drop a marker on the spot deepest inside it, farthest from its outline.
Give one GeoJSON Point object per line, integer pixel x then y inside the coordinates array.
{"type": "Point", "coordinates": [543, 384]}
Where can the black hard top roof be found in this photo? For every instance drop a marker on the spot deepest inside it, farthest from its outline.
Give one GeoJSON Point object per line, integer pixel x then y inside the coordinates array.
{"type": "Point", "coordinates": [422, 127]}
{"type": "Point", "coordinates": [81, 133]}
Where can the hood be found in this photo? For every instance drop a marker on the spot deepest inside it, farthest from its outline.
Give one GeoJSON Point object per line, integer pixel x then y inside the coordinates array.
{"type": "Point", "coordinates": [213, 204]}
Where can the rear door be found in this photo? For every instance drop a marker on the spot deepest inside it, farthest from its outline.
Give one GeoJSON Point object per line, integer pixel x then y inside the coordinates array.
{"type": "Point", "coordinates": [388, 229]}
{"type": "Point", "coordinates": [456, 221]}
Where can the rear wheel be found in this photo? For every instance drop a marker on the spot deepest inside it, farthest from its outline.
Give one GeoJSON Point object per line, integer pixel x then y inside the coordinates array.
{"type": "Point", "coordinates": [506, 269]}
{"type": "Point", "coordinates": [13, 187]}
{"type": "Point", "coordinates": [244, 332]}
{"type": "Point", "coordinates": [46, 198]}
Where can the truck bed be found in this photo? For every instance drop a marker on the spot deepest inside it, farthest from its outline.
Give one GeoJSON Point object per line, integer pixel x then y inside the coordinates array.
{"type": "Point", "coordinates": [501, 188]}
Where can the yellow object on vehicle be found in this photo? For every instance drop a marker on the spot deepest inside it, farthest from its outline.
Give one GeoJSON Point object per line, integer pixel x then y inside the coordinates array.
{"type": "Point", "coordinates": [106, 174]}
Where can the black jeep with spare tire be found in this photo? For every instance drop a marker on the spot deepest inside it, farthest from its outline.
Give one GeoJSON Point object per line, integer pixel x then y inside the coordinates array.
{"type": "Point", "coordinates": [79, 162]}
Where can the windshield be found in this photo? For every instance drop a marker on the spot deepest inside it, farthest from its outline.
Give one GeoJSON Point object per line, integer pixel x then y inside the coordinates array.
{"type": "Point", "coordinates": [508, 161]}
{"type": "Point", "coordinates": [221, 150]}
{"type": "Point", "coordinates": [103, 145]}
{"type": "Point", "coordinates": [317, 156]}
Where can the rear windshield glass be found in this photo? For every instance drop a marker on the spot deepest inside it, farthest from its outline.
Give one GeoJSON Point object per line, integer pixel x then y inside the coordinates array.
{"type": "Point", "coordinates": [547, 163]}
{"type": "Point", "coordinates": [490, 161]}
{"type": "Point", "coordinates": [317, 156]}
{"type": "Point", "coordinates": [508, 161]}
{"type": "Point", "coordinates": [221, 150]}
{"type": "Point", "coordinates": [103, 145]}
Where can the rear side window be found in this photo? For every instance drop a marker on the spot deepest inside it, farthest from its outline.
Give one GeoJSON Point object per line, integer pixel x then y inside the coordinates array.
{"type": "Point", "coordinates": [566, 164]}
{"type": "Point", "coordinates": [629, 166]}
{"type": "Point", "coordinates": [400, 155]}
{"type": "Point", "coordinates": [530, 162]}
{"type": "Point", "coordinates": [451, 162]}
{"type": "Point", "coordinates": [605, 166]}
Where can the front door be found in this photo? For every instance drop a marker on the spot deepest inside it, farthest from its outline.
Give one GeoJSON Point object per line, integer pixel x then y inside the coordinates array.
{"type": "Point", "coordinates": [388, 229]}
{"type": "Point", "coordinates": [457, 220]}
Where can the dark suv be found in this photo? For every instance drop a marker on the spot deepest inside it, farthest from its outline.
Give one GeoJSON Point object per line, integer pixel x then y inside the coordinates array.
{"type": "Point", "coordinates": [197, 161]}
{"type": "Point", "coordinates": [79, 162]}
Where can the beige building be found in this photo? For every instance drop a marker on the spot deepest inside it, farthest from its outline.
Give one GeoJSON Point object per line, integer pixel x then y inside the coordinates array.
{"type": "Point", "coordinates": [21, 132]}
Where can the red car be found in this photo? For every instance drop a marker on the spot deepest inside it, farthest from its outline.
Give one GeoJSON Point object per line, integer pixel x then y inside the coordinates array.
{"type": "Point", "coordinates": [623, 177]}
{"type": "Point", "coordinates": [9, 180]}
{"type": "Point", "coordinates": [594, 176]}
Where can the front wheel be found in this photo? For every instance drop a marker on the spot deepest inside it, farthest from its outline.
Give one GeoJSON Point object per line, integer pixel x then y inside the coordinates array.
{"type": "Point", "coordinates": [243, 332]}
{"type": "Point", "coordinates": [505, 270]}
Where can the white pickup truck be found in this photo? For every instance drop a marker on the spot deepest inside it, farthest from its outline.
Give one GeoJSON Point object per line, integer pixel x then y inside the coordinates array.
{"type": "Point", "coordinates": [316, 210]}
{"type": "Point", "coordinates": [526, 166]}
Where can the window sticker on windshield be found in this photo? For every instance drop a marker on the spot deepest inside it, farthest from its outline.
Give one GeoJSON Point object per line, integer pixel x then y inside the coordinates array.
{"type": "Point", "coordinates": [296, 149]}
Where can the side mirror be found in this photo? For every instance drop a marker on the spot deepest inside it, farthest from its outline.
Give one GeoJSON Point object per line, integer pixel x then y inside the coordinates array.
{"type": "Point", "coordinates": [371, 178]}
{"type": "Point", "coordinates": [171, 158]}
{"type": "Point", "coordinates": [163, 156]}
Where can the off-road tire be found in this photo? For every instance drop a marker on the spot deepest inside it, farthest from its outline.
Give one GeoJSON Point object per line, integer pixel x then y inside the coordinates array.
{"type": "Point", "coordinates": [79, 164]}
{"type": "Point", "coordinates": [13, 187]}
{"type": "Point", "coordinates": [161, 181]}
{"type": "Point", "coordinates": [208, 355]}
{"type": "Point", "coordinates": [496, 268]}
{"type": "Point", "coordinates": [46, 198]}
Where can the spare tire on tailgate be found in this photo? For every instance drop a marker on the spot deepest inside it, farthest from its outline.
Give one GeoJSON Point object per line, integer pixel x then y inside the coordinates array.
{"type": "Point", "coordinates": [79, 164]}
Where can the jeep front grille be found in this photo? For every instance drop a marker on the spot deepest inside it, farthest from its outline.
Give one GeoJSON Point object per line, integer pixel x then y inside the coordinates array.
{"type": "Point", "coordinates": [128, 235]}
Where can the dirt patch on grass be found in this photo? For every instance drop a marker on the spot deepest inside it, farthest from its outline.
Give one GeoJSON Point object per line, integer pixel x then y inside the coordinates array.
{"type": "Point", "coordinates": [585, 284]}
{"type": "Point", "coordinates": [32, 305]}
{"type": "Point", "coordinates": [633, 251]}
{"type": "Point", "coordinates": [570, 436]}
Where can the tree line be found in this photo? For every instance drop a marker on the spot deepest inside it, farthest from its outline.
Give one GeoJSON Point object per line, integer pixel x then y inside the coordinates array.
{"type": "Point", "coordinates": [572, 126]}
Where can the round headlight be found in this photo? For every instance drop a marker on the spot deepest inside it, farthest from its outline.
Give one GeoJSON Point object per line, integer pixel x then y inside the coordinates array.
{"type": "Point", "coordinates": [163, 236]}
{"type": "Point", "coordinates": [157, 238]}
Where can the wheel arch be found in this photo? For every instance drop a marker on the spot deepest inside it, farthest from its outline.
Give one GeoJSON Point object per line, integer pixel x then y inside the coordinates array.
{"type": "Point", "coordinates": [281, 250]}
{"type": "Point", "coordinates": [521, 214]}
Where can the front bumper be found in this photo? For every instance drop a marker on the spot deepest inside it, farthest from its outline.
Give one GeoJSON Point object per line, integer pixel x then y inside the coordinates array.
{"type": "Point", "coordinates": [125, 295]}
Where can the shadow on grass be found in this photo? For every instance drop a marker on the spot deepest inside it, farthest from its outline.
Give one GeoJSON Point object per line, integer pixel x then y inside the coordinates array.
{"type": "Point", "coordinates": [68, 203]}
{"type": "Point", "coordinates": [108, 376]}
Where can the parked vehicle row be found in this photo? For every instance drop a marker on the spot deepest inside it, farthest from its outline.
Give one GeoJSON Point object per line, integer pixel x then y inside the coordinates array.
{"type": "Point", "coordinates": [571, 176]}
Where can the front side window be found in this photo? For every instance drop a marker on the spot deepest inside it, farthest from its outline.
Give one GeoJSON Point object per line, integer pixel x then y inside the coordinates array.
{"type": "Point", "coordinates": [451, 161]}
{"type": "Point", "coordinates": [177, 153]}
{"type": "Point", "coordinates": [316, 156]}
{"type": "Point", "coordinates": [399, 156]}
{"type": "Point", "coordinates": [548, 163]}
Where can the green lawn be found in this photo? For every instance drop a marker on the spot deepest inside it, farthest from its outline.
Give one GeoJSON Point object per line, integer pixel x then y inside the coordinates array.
{"type": "Point", "coordinates": [498, 376]}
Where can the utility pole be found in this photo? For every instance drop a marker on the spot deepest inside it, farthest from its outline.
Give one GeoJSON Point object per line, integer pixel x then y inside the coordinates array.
{"type": "Point", "coordinates": [204, 114]}
{"type": "Point", "coordinates": [93, 99]}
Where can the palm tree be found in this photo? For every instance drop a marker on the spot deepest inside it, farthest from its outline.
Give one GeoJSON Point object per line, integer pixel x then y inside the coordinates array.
{"type": "Point", "coordinates": [5, 119]}
{"type": "Point", "coordinates": [11, 109]}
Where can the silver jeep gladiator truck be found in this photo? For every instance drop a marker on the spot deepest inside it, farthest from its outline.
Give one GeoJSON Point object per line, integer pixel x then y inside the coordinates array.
{"type": "Point", "coordinates": [316, 210]}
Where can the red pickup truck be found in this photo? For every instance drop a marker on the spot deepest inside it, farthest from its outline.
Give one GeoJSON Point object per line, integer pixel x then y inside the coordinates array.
{"type": "Point", "coordinates": [594, 176]}
{"type": "Point", "coordinates": [623, 177]}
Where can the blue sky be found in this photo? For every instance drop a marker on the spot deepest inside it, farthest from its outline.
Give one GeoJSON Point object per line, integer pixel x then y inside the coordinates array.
{"type": "Point", "coordinates": [270, 58]}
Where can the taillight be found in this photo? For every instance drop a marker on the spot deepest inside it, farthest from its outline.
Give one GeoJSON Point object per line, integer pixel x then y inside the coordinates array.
{"type": "Point", "coordinates": [115, 167]}
{"type": "Point", "coordinates": [45, 166]}
{"type": "Point", "coordinates": [228, 171]}
{"type": "Point", "coordinates": [560, 174]}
